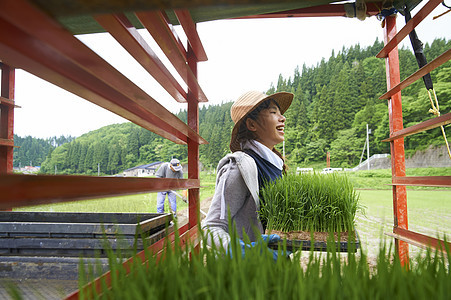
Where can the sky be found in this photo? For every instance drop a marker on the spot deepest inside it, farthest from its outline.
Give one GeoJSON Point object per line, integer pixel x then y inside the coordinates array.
{"type": "Point", "coordinates": [242, 55]}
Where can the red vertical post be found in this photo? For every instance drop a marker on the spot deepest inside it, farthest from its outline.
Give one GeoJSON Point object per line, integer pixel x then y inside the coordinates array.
{"type": "Point", "coordinates": [193, 146]}
{"type": "Point", "coordinates": [7, 119]}
{"type": "Point", "coordinates": [398, 165]}
{"type": "Point", "coordinates": [328, 159]}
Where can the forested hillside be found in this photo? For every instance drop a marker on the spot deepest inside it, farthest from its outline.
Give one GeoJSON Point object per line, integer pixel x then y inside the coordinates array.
{"type": "Point", "coordinates": [334, 101]}
{"type": "Point", "coordinates": [32, 151]}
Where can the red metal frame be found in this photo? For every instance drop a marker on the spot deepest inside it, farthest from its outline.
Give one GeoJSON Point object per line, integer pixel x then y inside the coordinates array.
{"type": "Point", "coordinates": [397, 133]}
{"type": "Point", "coordinates": [421, 240]}
{"type": "Point", "coordinates": [23, 190]}
{"type": "Point", "coordinates": [440, 60]}
{"type": "Point", "coordinates": [437, 181]}
{"type": "Point", "coordinates": [397, 146]}
{"type": "Point", "coordinates": [184, 17]}
{"type": "Point", "coordinates": [33, 41]}
{"type": "Point", "coordinates": [7, 118]}
{"type": "Point", "coordinates": [426, 125]}
{"type": "Point", "coordinates": [193, 148]}
{"type": "Point", "coordinates": [161, 31]}
{"type": "Point", "coordinates": [420, 16]}
{"type": "Point", "coordinates": [127, 35]}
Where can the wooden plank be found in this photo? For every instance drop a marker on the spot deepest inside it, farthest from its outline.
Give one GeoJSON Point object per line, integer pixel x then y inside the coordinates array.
{"type": "Point", "coordinates": [420, 16]}
{"type": "Point", "coordinates": [24, 190]}
{"type": "Point", "coordinates": [446, 56]}
{"type": "Point", "coordinates": [157, 26]}
{"type": "Point", "coordinates": [438, 181]}
{"type": "Point", "coordinates": [423, 126]}
{"type": "Point", "coordinates": [127, 35]}
{"type": "Point", "coordinates": [33, 41]}
{"type": "Point", "coordinates": [184, 17]}
{"type": "Point", "coordinates": [9, 102]}
{"type": "Point", "coordinates": [6, 142]}
{"type": "Point", "coordinates": [419, 240]}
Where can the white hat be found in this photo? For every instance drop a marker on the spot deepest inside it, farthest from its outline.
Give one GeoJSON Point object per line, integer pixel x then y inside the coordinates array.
{"type": "Point", "coordinates": [175, 164]}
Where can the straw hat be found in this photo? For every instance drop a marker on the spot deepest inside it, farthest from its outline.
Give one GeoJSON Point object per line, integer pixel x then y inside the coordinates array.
{"type": "Point", "coordinates": [246, 103]}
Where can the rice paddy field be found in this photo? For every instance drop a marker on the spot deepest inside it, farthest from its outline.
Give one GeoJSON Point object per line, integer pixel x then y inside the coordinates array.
{"type": "Point", "coordinates": [429, 213]}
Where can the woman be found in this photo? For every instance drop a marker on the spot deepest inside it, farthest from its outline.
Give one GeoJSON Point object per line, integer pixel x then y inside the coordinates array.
{"type": "Point", "coordinates": [259, 126]}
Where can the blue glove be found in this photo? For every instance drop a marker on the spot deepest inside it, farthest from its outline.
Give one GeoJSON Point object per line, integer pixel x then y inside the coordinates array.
{"type": "Point", "coordinates": [272, 238]}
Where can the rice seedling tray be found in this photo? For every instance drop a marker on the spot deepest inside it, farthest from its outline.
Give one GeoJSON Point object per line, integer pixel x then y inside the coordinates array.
{"type": "Point", "coordinates": [351, 244]}
{"type": "Point", "coordinates": [75, 234]}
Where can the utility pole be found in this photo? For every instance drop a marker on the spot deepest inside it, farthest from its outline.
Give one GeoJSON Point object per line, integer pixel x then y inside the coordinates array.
{"type": "Point", "coordinates": [55, 169]}
{"type": "Point", "coordinates": [367, 146]}
{"type": "Point", "coordinates": [98, 169]}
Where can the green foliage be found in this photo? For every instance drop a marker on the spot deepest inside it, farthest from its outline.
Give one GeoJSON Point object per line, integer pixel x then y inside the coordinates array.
{"type": "Point", "coordinates": [309, 202]}
{"type": "Point", "coordinates": [32, 151]}
{"type": "Point", "coordinates": [214, 274]}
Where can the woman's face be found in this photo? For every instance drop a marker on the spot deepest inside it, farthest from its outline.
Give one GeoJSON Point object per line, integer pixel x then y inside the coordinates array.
{"type": "Point", "coordinates": [269, 126]}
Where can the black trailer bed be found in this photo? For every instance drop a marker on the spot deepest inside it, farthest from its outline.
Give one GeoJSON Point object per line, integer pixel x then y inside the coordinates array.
{"type": "Point", "coordinates": [75, 234]}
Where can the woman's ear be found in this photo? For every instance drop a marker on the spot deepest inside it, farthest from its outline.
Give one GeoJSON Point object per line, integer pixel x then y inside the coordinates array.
{"type": "Point", "coordinates": [251, 124]}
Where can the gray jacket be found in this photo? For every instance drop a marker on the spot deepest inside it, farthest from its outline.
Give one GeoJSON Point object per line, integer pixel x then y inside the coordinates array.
{"type": "Point", "coordinates": [236, 190]}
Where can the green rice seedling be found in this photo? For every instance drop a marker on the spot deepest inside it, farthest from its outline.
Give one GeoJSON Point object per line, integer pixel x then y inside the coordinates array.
{"type": "Point", "coordinates": [309, 202]}
{"type": "Point", "coordinates": [211, 273]}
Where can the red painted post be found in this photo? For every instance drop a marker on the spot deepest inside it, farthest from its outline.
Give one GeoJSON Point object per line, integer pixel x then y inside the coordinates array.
{"type": "Point", "coordinates": [328, 159]}
{"type": "Point", "coordinates": [7, 118]}
{"type": "Point", "coordinates": [193, 146]}
{"type": "Point", "coordinates": [397, 146]}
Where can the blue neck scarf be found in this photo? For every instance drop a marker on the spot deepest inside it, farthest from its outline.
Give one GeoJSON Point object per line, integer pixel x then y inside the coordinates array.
{"type": "Point", "coordinates": [266, 170]}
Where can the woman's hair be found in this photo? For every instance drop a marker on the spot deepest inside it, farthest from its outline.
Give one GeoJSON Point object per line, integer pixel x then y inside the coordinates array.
{"type": "Point", "coordinates": [244, 134]}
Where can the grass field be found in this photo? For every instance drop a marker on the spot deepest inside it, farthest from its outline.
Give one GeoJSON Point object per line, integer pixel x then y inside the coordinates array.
{"type": "Point", "coordinates": [429, 213]}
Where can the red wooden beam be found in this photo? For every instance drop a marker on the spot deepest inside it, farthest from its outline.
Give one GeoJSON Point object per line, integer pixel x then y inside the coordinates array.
{"type": "Point", "coordinates": [437, 62]}
{"type": "Point", "coordinates": [420, 16]}
{"type": "Point", "coordinates": [6, 101]}
{"type": "Point", "coordinates": [420, 240]}
{"type": "Point", "coordinates": [193, 148]}
{"type": "Point", "coordinates": [327, 10]}
{"type": "Point", "coordinates": [185, 19]}
{"type": "Point", "coordinates": [398, 165]}
{"type": "Point", "coordinates": [157, 26]}
{"type": "Point", "coordinates": [25, 190]}
{"type": "Point", "coordinates": [7, 83]}
{"type": "Point", "coordinates": [423, 126]}
{"type": "Point", "coordinates": [6, 142]}
{"type": "Point", "coordinates": [33, 41]}
{"type": "Point", "coordinates": [127, 35]}
{"type": "Point", "coordinates": [437, 181]}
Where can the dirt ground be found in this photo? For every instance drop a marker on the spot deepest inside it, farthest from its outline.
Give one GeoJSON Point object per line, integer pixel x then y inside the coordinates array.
{"type": "Point", "coordinates": [182, 215]}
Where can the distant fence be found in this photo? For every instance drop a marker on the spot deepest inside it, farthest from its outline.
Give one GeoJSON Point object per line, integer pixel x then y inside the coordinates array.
{"type": "Point", "coordinates": [377, 161]}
